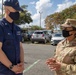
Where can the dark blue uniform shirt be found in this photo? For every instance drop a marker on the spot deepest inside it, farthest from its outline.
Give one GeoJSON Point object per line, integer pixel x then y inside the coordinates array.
{"type": "Point", "coordinates": [10, 36]}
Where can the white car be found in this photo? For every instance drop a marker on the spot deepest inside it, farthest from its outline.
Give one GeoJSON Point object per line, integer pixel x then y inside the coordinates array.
{"type": "Point", "coordinates": [56, 38]}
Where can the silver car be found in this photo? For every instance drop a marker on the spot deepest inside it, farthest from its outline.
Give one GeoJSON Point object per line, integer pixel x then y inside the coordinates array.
{"type": "Point", "coordinates": [40, 36]}
{"type": "Point", "coordinates": [56, 38]}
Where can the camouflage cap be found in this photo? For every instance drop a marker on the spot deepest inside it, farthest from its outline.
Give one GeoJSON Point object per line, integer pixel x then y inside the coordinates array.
{"type": "Point", "coordinates": [69, 23]}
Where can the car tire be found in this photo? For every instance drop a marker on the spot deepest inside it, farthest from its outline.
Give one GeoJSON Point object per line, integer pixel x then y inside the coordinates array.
{"type": "Point", "coordinates": [45, 41]}
{"type": "Point", "coordinates": [54, 44]}
{"type": "Point", "coordinates": [32, 41]}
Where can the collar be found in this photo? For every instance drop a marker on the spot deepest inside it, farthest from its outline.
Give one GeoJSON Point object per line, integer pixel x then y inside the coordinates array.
{"type": "Point", "coordinates": [8, 24]}
{"type": "Point", "coordinates": [66, 43]}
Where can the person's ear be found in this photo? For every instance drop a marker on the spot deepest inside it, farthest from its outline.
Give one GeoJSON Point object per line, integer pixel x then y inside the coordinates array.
{"type": "Point", "coordinates": [6, 10]}
{"type": "Point", "coordinates": [75, 33]}
{"type": "Point", "coordinates": [70, 33]}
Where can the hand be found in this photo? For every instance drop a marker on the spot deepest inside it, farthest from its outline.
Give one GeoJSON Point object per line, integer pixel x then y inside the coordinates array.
{"type": "Point", "coordinates": [16, 69]}
{"type": "Point", "coordinates": [53, 64]}
{"type": "Point", "coordinates": [21, 65]}
{"type": "Point", "coordinates": [50, 60]}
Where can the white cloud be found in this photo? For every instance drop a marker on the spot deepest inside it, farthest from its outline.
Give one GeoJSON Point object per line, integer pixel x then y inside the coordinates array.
{"type": "Point", "coordinates": [64, 5]}
{"type": "Point", "coordinates": [32, 2]}
{"type": "Point", "coordinates": [30, 12]}
{"type": "Point", "coordinates": [42, 6]}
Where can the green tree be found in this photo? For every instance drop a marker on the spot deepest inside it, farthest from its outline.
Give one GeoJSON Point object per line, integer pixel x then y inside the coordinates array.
{"type": "Point", "coordinates": [35, 27]}
{"type": "Point", "coordinates": [59, 17]}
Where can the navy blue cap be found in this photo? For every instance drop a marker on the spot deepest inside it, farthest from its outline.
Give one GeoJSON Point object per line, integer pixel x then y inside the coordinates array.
{"type": "Point", "coordinates": [13, 3]}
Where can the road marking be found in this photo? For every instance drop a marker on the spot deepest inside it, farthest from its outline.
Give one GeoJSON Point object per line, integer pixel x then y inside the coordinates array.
{"type": "Point", "coordinates": [31, 66]}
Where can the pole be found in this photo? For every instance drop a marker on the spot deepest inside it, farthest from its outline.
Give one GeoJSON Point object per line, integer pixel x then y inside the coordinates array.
{"type": "Point", "coordinates": [2, 8]}
{"type": "Point", "coordinates": [40, 18]}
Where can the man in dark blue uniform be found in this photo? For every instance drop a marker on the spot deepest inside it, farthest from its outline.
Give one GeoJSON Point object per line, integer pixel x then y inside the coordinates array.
{"type": "Point", "coordinates": [11, 50]}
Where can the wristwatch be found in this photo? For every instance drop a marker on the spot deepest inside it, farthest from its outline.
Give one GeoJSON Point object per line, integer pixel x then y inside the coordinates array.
{"type": "Point", "coordinates": [11, 66]}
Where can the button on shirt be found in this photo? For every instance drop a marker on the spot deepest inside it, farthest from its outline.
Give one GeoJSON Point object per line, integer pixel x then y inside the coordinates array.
{"type": "Point", "coordinates": [10, 36]}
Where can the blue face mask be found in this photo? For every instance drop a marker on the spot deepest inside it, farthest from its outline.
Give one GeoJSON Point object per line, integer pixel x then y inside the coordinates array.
{"type": "Point", "coordinates": [14, 15]}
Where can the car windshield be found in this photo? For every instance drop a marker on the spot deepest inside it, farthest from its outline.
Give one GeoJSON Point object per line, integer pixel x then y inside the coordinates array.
{"type": "Point", "coordinates": [57, 35]}
{"type": "Point", "coordinates": [45, 32]}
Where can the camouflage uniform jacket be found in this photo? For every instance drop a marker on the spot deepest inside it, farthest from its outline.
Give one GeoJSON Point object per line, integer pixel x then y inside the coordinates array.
{"type": "Point", "coordinates": [66, 54]}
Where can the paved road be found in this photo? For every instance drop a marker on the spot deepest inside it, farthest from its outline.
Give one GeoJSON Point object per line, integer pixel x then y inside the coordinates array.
{"type": "Point", "coordinates": [35, 58]}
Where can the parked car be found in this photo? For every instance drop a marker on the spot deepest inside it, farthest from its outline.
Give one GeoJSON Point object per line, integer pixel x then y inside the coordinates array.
{"type": "Point", "coordinates": [24, 36]}
{"type": "Point", "coordinates": [40, 36]}
{"type": "Point", "coordinates": [56, 38]}
{"type": "Point", "coordinates": [30, 34]}
{"type": "Point", "coordinates": [50, 33]}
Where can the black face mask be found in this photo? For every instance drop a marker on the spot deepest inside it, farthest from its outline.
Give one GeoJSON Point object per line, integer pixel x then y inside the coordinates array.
{"type": "Point", "coordinates": [65, 33]}
{"type": "Point", "coordinates": [14, 15]}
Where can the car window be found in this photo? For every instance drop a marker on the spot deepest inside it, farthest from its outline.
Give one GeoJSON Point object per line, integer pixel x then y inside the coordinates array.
{"type": "Point", "coordinates": [38, 32]}
{"type": "Point", "coordinates": [45, 32]}
{"type": "Point", "coordinates": [30, 32]}
{"type": "Point", "coordinates": [49, 31]}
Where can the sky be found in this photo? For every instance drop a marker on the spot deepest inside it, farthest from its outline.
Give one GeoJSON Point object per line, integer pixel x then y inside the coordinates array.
{"type": "Point", "coordinates": [44, 8]}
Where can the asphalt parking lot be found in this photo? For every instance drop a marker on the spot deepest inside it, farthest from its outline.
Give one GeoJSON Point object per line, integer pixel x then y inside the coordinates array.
{"type": "Point", "coordinates": [35, 58]}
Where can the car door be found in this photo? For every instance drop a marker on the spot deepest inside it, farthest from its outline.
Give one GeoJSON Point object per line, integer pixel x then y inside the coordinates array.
{"type": "Point", "coordinates": [46, 36]}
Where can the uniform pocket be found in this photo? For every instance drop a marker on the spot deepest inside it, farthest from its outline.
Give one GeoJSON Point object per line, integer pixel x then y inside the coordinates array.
{"type": "Point", "coordinates": [9, 37]}
{"type": "Point", "coordinates": [8, 41]}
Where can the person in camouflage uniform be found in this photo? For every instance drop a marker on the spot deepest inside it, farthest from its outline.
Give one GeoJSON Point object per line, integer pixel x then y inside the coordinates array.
{"type": "Point", "coordinates": [64, 61]}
